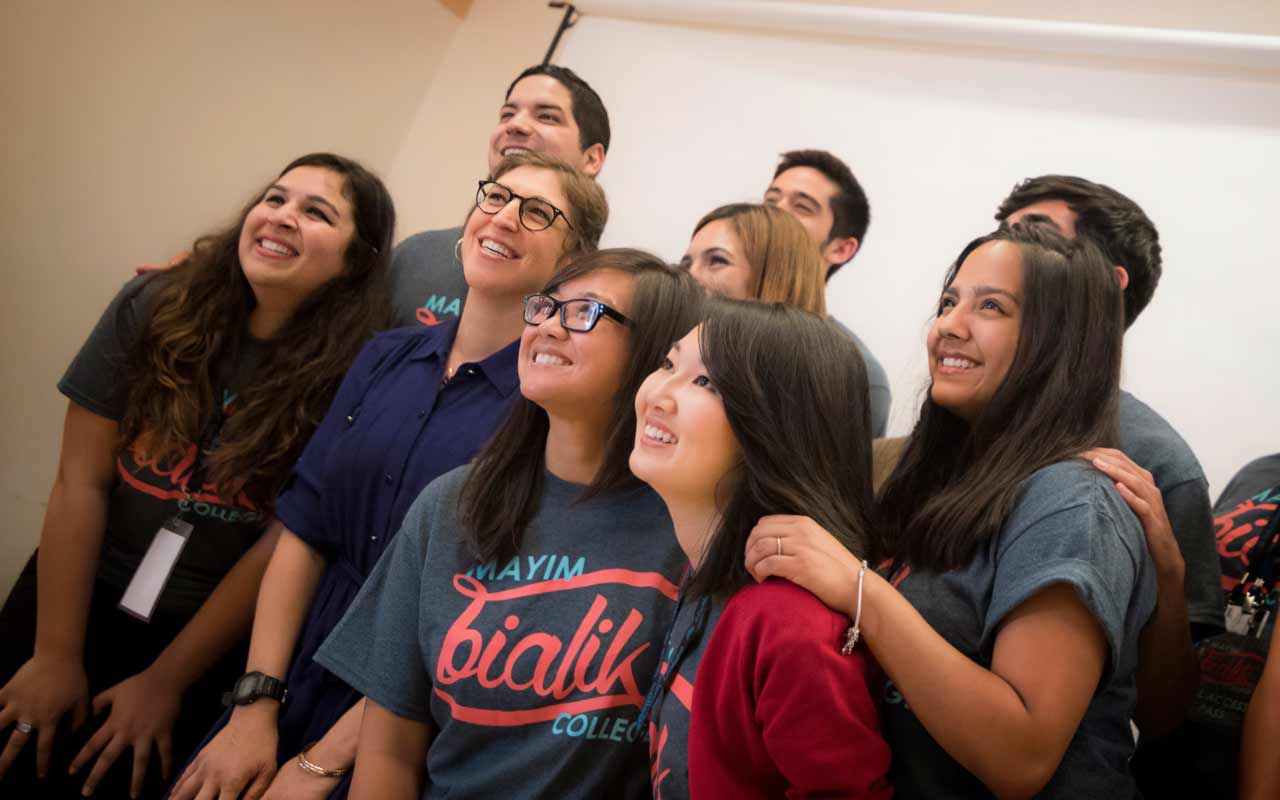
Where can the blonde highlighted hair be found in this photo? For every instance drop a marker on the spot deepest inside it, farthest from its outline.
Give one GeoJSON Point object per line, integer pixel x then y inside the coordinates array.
{"type": "Point", "coordinates": [785, 264]}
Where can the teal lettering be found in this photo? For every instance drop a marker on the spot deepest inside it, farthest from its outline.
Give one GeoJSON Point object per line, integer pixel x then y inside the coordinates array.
{"type": "Point", "coordinates": [556, 727]}
{"type": "Point", "coordinates": [455, 308]}
{"type": "Point", "coordinates": [619, 731]}
{"type": "Point", "coordinates": [534, 563]}
{"type": "Point", "coordinates": [483, 572]}
{"type": "Point", "coordinates": [565, 572]}
{"type": "Point", "coordinates": [512, 568]}
{"type": "Point", "coordinates": [435, 302]}
{"type": "Point", "coordinates": [574, 722]}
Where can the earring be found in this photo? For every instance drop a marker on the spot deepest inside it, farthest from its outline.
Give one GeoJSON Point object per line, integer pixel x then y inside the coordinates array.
{"type": "Point", "coordinates": [457, 251]}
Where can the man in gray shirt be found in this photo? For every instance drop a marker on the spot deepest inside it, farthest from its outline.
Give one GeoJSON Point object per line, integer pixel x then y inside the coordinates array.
{"type": "Point", "coordinates": [821, 192]}
{"type": "Point", "coordinates": [1168, 672]}
{"type": "Point", "coordinates": [547, 109]}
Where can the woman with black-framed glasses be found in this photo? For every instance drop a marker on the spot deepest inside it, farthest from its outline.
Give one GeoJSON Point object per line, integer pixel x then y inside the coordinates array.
{"type": "Point", "coordinates": [417, 403]}
{"type": "Point", "coordinates": [507, 640]}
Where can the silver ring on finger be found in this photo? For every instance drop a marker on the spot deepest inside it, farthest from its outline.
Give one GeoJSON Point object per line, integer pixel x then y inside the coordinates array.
{"type": "Point", "coordinates": [24, 727]}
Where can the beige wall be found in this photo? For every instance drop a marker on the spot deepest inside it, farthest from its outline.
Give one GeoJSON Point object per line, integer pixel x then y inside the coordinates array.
{"type": "Point", "coordinates": [130, 127]}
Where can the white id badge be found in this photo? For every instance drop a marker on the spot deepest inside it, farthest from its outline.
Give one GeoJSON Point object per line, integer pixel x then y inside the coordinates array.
{"type": "Point", "coordinates": [153, 573]}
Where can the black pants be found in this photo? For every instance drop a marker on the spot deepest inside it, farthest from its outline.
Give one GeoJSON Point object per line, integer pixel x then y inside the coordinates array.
{"type": "Point", "coordinates": [117, 646]}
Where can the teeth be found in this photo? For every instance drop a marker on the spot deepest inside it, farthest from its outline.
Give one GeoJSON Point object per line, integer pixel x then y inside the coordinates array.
{"type": "Point", "coordinates": [510, 151]}
{"type": "Point", "coordinates": [497, 249]}
{"type": "Point", "coordinates": [959, 363]}
{"type": "Point", "coordinates": [552, 360]}
{"type": "Point", "coordinates": [275, 247]}
{"type": "Point", "coordinates": [654, 432]}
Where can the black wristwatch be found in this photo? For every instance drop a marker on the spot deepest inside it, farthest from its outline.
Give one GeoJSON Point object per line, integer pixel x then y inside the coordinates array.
{"type": "Point", "coordinates": [251, 686]}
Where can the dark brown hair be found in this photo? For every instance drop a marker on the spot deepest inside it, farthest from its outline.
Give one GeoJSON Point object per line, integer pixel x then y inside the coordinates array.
{"type": "Point", "coordinates": [199, 320]}
{"type": "Point", "coordinates": [501, 493]}
{"type": "Point", "coordinates": [956, 483]}
{"type": "Point", "coordinates": [588, 109]}
{"type": "Point", "coordinates": [795, 393]}
{"type": "Point", "coordinates": [1113, 222]}
{"type": "Point", "coordinates": [850, 211]}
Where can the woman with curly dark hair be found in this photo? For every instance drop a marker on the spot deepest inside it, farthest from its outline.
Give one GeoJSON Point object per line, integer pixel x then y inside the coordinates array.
{"type": "Point", "coordinates": [189, 404]}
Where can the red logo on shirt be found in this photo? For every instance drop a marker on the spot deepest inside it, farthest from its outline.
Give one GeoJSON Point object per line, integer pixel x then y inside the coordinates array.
{"type": "Point", "coordinates": [597, 665]}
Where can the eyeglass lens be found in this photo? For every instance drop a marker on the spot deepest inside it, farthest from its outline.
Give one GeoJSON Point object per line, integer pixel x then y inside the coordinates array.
{"type": "Point", "coordinates": [535, 214]}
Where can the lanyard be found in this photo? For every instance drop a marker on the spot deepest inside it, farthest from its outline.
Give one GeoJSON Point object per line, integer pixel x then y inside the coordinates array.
{"type": "Point", "coordinates": [206, 445]}
{"type": "Point", "coordinates": [662, 681]}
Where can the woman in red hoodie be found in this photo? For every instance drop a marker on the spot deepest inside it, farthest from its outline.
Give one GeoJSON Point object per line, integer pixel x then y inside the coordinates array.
{"type": "Point", "coordinates": [763, 409]}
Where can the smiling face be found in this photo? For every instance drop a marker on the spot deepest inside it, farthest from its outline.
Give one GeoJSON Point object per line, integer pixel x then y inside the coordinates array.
{"type": "Point", "coordinates": [973, 341]}
{"type": "Point", "coordinates": [684, 446]}
{"type": "Point", "coordinates": [500, 257]}
{"type": "Point", "coordinates": [538, 116]}
{"type": "Point", "coordinates": [715, 259]}
{"type": "Point", "coordinates": [577, 374]}
{"type": "Point", "coordinates": [295, 239]}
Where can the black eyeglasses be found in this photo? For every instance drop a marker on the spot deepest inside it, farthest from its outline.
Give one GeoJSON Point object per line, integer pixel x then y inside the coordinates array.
{"type": "Point", "coordinates": [536, 214]}
{"type": "Point", "coordinates": [579, 315]}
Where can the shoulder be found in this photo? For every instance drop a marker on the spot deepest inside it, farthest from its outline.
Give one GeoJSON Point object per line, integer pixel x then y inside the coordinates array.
{"type": "Point", "coordinates": [1256, 476]}
{"type": "Point", "coordinates": [777, 611]}
{"type": "Point", "coordinates": [437, 501]}
{"type": "Point", "coordinates": [876, 376]}
{"type": "Point", "coordinates": [1150, 440]}
{"type": "Point", "coordinates": [427, 244]}
{"type": "Point", "coordinates": [400, 343]}
{"type": "Point", "coordinates": [1072, 494]}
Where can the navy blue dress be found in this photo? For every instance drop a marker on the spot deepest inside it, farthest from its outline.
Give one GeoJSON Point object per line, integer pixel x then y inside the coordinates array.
{"type": "Point", "coordinates": [393, 427]}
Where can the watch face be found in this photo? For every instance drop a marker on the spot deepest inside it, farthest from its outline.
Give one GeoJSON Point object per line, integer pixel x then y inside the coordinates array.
{"type": "Point", "coordinates": [246, 690]}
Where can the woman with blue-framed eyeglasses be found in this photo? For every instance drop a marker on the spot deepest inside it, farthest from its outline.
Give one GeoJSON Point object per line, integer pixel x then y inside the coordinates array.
{"type": "Point", "coordinates": [417, 403]}
{"type": "Point", "coordinates": [507, 640]}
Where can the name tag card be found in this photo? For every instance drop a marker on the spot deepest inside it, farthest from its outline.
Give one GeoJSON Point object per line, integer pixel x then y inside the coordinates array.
{"type": "Point", "coordinates": [153, 573]}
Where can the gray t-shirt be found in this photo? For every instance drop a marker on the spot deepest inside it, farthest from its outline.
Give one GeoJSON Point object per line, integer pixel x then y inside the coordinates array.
{"type": "Point", "coordinates": [877, 384]}
{"type": "Point", "coordinates": [147, 493]}
{"type": "Point", "coordinates": [1069, 526]}
{"type": "Point", "coordinates": [533, 671]}
{"type": "Point", "coordinates": [1152, 442]}
{"type": "Point", "coordinates": [427, 284]}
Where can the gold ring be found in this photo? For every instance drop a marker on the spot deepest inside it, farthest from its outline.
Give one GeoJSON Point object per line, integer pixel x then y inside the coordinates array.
{"type": "Point", "coordinates": [779, 538]}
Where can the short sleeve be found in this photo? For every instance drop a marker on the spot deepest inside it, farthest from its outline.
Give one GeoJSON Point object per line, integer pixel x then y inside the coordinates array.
{"type": "Point", "coordinates": [1191, 517]}
{"type": "Point", "coordinates": [301, 505]}
{"type": "Point", "coordinates": [375, 647]}
{"type": "Point", "coordinates": [1071, 532]}
{"type": "Point", "coordinates": [94, 378]}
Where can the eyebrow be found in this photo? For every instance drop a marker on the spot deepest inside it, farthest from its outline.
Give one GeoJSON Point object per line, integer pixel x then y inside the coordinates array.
{"type": "Point", "coordinates": [1042, 219]}
{"type": "Point", "coordinates": [984, 291]}
{"type": "Point", "coordinates": [721, 250]}
{"type": "Point", "coordinates": [536, 106]}
{"type": "Point", "coordinates": [315, 198]}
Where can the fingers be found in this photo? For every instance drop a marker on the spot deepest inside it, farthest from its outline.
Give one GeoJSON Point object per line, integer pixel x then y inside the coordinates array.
{"type": "Point", "coordinates": [165, 745]}
{"type": "Point", "coordinates": [17, 741]}
{"type": "Point", "coordinates": [108, 757]}
{"type": "Point", "coordinates": [44, 747]}
{"type": "Point", "coordinates": [141, 758]}
{"type": "Point", "coordinates": [91, 748]}
{"type": "Point", "coordinates": [259, 786]}
{"type": "Point", "coordinates": [1140, 506]}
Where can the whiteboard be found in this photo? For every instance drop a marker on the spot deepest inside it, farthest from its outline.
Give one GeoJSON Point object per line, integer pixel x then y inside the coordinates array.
{"type": "Point", "coordinates": [937, 136]}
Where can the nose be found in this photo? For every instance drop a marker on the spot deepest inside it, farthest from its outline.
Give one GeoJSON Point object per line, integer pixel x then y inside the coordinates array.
{"type": "Point", "coordinates": [282, 216]}
{"type": "Point", "coordinates": [702, 275]}
{"type": "Point", "coordinates": [953, 324]}
{"type": "Point", "coordinates": [509, 216]}
{"type": "Point", "coordinates": [518, 124]}
{"type": "Point", "coordinates": [551, 327]}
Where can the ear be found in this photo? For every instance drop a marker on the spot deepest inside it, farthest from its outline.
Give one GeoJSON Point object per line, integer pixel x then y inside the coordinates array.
{"type": "Point", "coordinates": [1123, 275]}
{"type": "Point", "coordinates": [593, 160]}
{"type": "Point", "coordinates": [838, 251]}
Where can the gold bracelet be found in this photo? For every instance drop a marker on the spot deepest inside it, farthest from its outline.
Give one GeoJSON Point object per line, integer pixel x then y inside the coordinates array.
{"type": "Point", "coordinates": [316, 769]}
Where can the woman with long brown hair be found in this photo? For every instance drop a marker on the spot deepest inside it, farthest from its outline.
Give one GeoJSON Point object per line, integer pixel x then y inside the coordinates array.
{"type": "Point", "coordinates": [189, 403]}
{"type": "Point", "coordinates": [506, 640]}
{"type": "Point", "coordinates": [417, 403]}
{"type": "Point", "coordinates": [1009, 616]}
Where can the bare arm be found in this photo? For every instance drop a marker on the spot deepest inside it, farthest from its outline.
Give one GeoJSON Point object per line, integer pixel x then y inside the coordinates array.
{"type": "Point", "coordinates": [1026, 707]}
{"type": "Point", "coordinates": [243, 753]}
{"type": "Point", "coordinates": [53, 682]}
{"type": "Point", "coordinates": [391, 757]}
{"type": "Point", "coordinates": [1259, 761]}
{"type": "Point", "coordinates": [1168, 673]}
